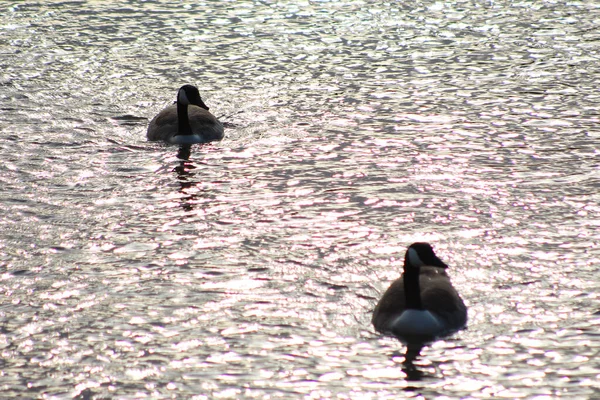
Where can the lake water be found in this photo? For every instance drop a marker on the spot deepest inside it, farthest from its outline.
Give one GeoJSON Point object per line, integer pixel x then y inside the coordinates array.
{"type": "Point", "coordinates": [354, 128]}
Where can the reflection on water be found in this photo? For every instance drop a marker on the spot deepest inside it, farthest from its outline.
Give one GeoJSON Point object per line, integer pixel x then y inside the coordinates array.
{"type": "Point", "coordinates": [184, 152]}
{"type": "Point", "coordinates": [413, 373]}
{"type": "Point", "coordinates": [250, 267]}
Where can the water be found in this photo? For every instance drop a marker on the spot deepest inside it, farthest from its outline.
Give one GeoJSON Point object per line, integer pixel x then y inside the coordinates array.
{"type": "Point", "coordinates": [354, 129]}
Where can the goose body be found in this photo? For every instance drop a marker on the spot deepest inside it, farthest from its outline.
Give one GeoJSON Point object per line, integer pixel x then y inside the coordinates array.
{"type": "Point", "coordinates": [422, 303]}
{"type": "Point", "coordinates": [186, 122]}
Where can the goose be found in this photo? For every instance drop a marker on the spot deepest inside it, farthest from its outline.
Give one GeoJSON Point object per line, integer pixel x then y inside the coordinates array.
{"type": "Point", "coordinates": [186, 122]}
{"type": "Point", "coordinates": [422, 303]}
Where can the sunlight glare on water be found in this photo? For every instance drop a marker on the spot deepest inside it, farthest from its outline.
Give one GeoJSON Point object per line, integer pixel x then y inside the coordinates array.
{"type": "Point", "coordinates": [353, 128]}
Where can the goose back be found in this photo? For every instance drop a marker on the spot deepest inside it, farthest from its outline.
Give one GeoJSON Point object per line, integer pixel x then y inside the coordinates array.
{"type": "Point", "coordinates": [438, 297]}
{"type": "Point", "coordinates": [198, 125]}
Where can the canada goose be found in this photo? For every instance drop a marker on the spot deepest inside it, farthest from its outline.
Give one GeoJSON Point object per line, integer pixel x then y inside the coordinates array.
{"type": "Point", "coordinates": [422, 303]}
{"type": "Point", "coordinates": [186, 122]}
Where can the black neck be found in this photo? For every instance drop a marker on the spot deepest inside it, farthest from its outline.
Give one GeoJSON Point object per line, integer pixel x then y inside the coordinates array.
{"type": "Point", "coordinates": [412, 289]}
{"type": "Point", "coordinates": [183, 122]}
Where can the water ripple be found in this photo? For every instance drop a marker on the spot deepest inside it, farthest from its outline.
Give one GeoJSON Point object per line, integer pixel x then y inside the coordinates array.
{"type": "Point", "coordinates": [353, 129]}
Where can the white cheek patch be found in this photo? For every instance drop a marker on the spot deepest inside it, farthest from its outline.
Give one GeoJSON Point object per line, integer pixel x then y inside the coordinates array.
{"type": "Point", "coordinates": [182, 97]}
{"type": "Point", "coordinates": [414, 259]}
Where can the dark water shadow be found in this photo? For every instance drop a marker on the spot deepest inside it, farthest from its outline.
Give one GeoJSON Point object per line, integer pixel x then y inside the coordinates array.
{"type": "Point", "coordinates": [184, 152]}
{"type": "Point", "coordinates": [412, 353]}
{"type": "Point", "coordinates": [186, 173]}
{"type": "Point", "coordinates": [414, 346]}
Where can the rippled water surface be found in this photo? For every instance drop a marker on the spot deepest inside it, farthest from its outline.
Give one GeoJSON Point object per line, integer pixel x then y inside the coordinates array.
{"type": "Point", "coordinates": [354, 128]}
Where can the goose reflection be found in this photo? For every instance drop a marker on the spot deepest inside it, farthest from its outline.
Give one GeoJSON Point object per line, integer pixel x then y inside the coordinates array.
{"type": "Point", "coordinates": [185, 172]}
{"type": "Point", "coordinates": [190, 175]}
{"type": "Point", "coordinates": [413, 351]}
{"type": "Point", "coordinates": [184, 152]}
{"type": "Point", "coordinates": [420, 306]}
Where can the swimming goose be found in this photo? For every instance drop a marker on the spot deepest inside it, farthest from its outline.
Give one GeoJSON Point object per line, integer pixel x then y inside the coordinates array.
{"type": "Point", "coordinates": [422, 303]}
{"type": "Point", "coordinates": [186, 122]}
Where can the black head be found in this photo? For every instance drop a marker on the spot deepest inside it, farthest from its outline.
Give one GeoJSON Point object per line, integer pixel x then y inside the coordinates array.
{"type": "Point", "coordinates": [189, 94]}
{"type": "Point", "coordinates": [421, 254]}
